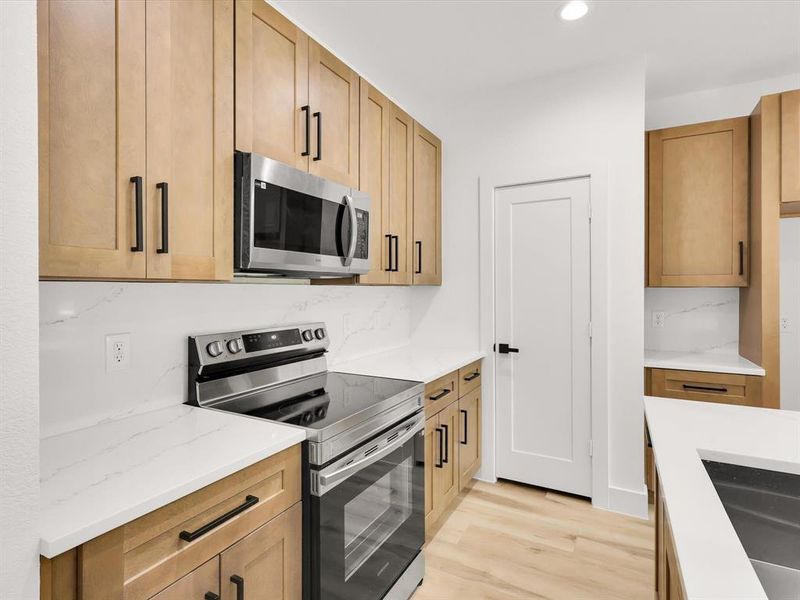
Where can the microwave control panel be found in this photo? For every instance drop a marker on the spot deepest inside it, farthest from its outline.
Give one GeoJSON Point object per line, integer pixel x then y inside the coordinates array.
{"type": "Point", "coordinates": [362, 234]}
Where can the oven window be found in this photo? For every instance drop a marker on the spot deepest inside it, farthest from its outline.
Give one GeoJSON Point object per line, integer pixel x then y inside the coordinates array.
{"type": "Point", "coordinates": [284, 219]}
{"type": "Point", "coordinates": [375, 514]}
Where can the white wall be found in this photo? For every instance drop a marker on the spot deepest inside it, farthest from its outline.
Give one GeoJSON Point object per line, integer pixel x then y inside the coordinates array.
{"type": "Point", "coordinates": [19, 360]}
{"type": "Point", "coordinates": [76, 317]}
{"type": "Point", "coordinates": [716, 103]}
{"type": "Point", "coordinates": [589, 117]}
{"type": "Point", "coordinates": [697, 319]}
{"type": "Point", "coordinates": [790, 308]}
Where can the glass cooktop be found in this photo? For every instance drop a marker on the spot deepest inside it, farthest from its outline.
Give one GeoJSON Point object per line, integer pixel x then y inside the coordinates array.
{"type": "Point", "coordinates": [326, 399]}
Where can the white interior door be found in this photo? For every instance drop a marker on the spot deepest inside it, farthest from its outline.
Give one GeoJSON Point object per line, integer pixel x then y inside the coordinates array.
{"type": "Point", "coordinates": [542, 287]}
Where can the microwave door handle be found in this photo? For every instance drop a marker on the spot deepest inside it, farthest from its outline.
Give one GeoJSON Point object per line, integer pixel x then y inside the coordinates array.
{"type": "Point", "coordinates": [351, 249]}
{"type": "Point", "coordinates": [329, 479]}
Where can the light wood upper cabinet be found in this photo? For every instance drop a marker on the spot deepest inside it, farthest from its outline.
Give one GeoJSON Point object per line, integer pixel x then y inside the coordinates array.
{"type": "Point", "coordinates": [401, 194]}
{"type": "Point", "coordinates": [698, 205]}
{"type": "Point", "coordinates": [271, 85]}
{"type": "Point", "coordinates": [91, 137]}
{"type": "Point", "coordinates": [189, 139]}
{"type": "Point", "coordinates": [790, 149]}
{"type": "Point", "coordinates": [427, 251]}
{"type": "Point", "coordinates": [267, 563]}
{"type": "Point", "coordinates": [333, 96]}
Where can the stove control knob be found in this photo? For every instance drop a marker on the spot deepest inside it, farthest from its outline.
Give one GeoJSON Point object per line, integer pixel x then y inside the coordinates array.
{"type": "Point", "coordinates": [320, 412]}
{"type": "Point", "coordinates": [234, 346]}
{"type": "Point", "coordinates": [307, 417]}
{"type": "Point", "coordinates": [319, 333]}
{"type": "Point", "coordinates": [308, 335]}
{"type": "Point", "coordinates": [214, 349]}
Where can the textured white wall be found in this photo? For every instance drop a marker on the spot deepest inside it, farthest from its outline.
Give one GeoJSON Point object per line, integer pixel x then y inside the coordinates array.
{"type": "Point", "coordinates": [19, 358]}
{"type": "Point", "coordinates": [790, 308]}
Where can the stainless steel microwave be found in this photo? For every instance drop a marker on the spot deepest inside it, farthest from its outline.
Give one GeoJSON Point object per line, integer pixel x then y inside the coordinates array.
{"type": "Point", "coordinates": [289, 222]}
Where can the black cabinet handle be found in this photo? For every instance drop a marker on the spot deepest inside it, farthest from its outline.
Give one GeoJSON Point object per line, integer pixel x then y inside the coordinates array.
{"type": "Point", "coordinates": [446, 458]}
{"type": "Point", "coordinates": [211, 596]}
{"type": "Point", "coordinates": [506, 349]}
{"type": "Point", "coordinates": [419, 257]}
{"type": "Point", "coordinates": [439, 462]}
{"type": "Point", "coordinates": [318, 117]}
{"type": "Point", "coordinates": [190, 536]}
{"type": "Point", "coordinates": [466, 423]}
{"type": "Point", "coordinates": [307, 109]}
{"type": "Point", "coordinates": [389, 237]}
{"type": "Point", "coordinates": [238, 581]}
{"type": "Point", "coordinates": [396, 253]}
{"type": "Point", "coordinates": [704, 388]}
{"type": "Point", "coordinates": [164, 187]}
{"type": "Point", "coordinates": [741, 258]}
{"type": "Point", "coordinates": [137, 192]}
{"type": "Point", "coordinates": [472, 376]}
{"type": "Point", "coordinates": [440, 395]}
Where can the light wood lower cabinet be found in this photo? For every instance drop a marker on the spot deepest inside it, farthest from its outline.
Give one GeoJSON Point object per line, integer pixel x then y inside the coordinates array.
{"type": "Point", "coordinates": [165, 553]}
{"type": "Point", "coordinates": [200, 584]}
{"type": "Point", "coordinates": [452, 441]}
{"type": "Point", "coordinates": [668, 581]}
{"type": "Point", "coordinates": [698, 205]}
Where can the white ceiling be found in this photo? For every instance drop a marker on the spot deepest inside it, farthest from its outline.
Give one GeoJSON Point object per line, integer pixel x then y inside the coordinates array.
{"type": "Point", "coordinates": [444, 49]}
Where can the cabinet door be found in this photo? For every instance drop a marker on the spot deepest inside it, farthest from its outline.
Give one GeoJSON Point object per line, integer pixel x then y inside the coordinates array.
{"type": "Point", "coordinates": [271, 84]}
{"type": "Point", "coordinates": [333, 96]}
{"type": "Point", "coordinates": [790, 147]}
{"type": "Point", "coordinates": [189, 139]}
{"type": "Point", "coordinates": [195, 585]}
{"type": "Point", "coordinates": [427, 249]}
{"type": "Point", "coordinates": [445, 479]}
{"type": "Point", "coordinates": [401, 193]}
{"type": "Point", "coordinates": [91, 137]}
{"type": "Point", "coordinates": [469, 436]}
{"type": "Point", "coordinates": [374, 114]}
{"type": "Point", "coordinates": [698, 178]}
{"type": "Point", "coordinates": [432, 433]}
{"type": "Point", "coordinates": [268, 562]}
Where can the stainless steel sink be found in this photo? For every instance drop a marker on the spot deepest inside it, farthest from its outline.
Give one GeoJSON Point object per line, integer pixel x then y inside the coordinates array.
{"type": "Point", "coordinates": [764, 508]}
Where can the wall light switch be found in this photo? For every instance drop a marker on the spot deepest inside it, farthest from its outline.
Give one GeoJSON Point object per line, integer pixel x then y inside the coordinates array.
{"type": "Point", "coordinates": [786, 325]}
{"type": "Point", "coordinates": [118, 352]}
{"type": "Point", "coordinates": [658, 318]}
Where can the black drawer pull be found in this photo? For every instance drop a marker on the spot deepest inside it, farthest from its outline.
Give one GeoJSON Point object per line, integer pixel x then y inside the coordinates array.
{"type": "Point", "coordinates": [307, 109]}
{"type": "Point", "coordinates": [164, 187]}
{"type": "Point", "coordinates": [396, 253]}
{"type": "Point", "coordinates": [238, 581]}
{"type": "Point", "coordinates": [472, 376]}
{"type": "Point", "coordinates": [446, 458]}
{"type": "Point", "coordinates": [318, 117]}
{"type": "Point", "coordinates": [704, 388]}
{"type": "Point", "coordinates": [439, 462]}
{"type": "Point", "coordinates": [419, 257]}
{"type": "Point", "coordinates": [190, 536]}
{"type": "Point", "coordinates": [741, 258]}
{"type": "Point", "coordinates": [466, 423]}
{"type": "Point", "coordinates": [211, 596]}
{"type": "Point", "coordinates": [389, 237]}
{"type": "Point", "coordinates": [137, 194]}
{"type": "Point", "coordinates": [440, 395]}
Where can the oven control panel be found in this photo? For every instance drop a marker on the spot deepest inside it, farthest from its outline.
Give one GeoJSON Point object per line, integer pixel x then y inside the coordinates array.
{"type": "Point", "coordinates": [236, 345]}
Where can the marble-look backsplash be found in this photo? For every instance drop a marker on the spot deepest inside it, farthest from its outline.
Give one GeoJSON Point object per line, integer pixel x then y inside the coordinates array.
{"type": "Point", "coordinates": [696, 320]}
{"type": "Point", "coordinates": [75, 317]}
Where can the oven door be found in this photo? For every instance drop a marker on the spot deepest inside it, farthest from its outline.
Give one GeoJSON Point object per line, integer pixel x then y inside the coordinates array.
{"type": "Point", "coordinates": [289, 221]}
{"type": "Point", "coordinates": [368, 515]}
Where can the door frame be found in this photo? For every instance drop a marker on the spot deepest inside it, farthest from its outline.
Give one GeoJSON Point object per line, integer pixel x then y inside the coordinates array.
{"type": "Point", "coordinates": [597, 174]}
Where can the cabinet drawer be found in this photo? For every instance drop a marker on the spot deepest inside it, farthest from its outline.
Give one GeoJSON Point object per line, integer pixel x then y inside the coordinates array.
{"type": "Point", "coordinates": [469, 378]}
{"type": "Point", "coordinates": [440, 393]}
{"type": "Point", "coordinates": [708, 387]}
{"type": "Point", "coordinates": [197, 584]}
{"type": "Point", "coordinates": [160, 547]}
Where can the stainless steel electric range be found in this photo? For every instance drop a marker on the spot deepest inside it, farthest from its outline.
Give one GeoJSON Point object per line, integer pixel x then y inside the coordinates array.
{"type": "Point", "coordinates": [363, 461]}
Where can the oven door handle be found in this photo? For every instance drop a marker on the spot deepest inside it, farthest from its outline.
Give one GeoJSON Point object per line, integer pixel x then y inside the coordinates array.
{"type": "Point", "coordinates": [347, 260]}
{"type": "Point", "coordinates": [330, 479]}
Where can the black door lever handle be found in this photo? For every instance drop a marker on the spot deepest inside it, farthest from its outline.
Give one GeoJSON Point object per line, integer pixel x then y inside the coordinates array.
{"type": "Point", "coordinates": [506, 349]}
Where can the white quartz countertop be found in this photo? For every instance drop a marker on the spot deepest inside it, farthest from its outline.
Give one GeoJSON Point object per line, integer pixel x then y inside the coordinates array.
{"type": "Point", "coordinates": [413, 363]}
{"type": "Point", "coordinates": [96, 479]}
{"type": "Point", "coordinates": [711, 558]}
{"type": "Point", "coordinates": [713, 362]}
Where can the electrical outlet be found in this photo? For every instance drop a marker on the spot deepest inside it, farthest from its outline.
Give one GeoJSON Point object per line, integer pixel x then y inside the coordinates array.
{"type": "Point", "coordinates": [118, 352]}
{"type": "Point", "coordinates": [658, 318]}
{"type": "Point", "coordinates": [786, 325]}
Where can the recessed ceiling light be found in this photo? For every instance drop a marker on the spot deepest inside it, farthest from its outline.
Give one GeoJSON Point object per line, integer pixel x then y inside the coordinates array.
{"type": "Point", "coordinates": [574, 10]}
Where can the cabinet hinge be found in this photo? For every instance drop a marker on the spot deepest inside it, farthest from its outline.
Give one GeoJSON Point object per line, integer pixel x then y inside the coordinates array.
{"type": "Point", "coordinates": [591, 448]}
{"type": "Point", "coordinates": [590, 330]}
{"type": "Point", "coordinates": [590, 213]}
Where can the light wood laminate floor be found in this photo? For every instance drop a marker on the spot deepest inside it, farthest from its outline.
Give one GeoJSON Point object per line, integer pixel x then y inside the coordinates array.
{"type": "Point", "coordinates": [508, 541]}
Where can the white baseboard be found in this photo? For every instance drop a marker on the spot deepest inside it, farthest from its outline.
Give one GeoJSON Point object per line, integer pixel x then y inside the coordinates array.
{"type": "Point", "coordinates": [628, 502]}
